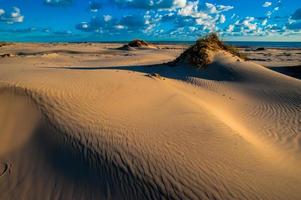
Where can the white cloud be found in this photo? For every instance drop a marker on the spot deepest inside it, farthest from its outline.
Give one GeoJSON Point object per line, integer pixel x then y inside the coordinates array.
{"type": "Point", "coordinates": [179, 3]}
{"type": "Point", "coordinates": [222, 19]}
{"type": "Point", "coordinates": [297, 14]}
{"type": "Point", "coordinates": [230, 28]}
{"type": "Point", "coordinates": [249, 23]}
{"type": "Point", "coordinates": [211, 7]}
{"type": "Point", "coordinates": [190, 9]}
{"type": "Point", "coordinates": [85, 26]}
{"type": "Point", "coordinates": [294, 22]}
{"type": "Point", "coordinates": [182, 17]}
{"type": "Point", "coordinates": [267, 4]}
{"type": "Point", "coordinates": [95, 6]}
{"type": "Point", "coordinates": [58, 2]}
{"type": "Point", "coordinates": [107, 18]}
{"type": "Point", "coordinates": [223, 8]}
{"type": "Point", "coordinates": [269, 14]}
{"type": "Point", "coordinates": [151, 4]}
{"type": "Point", "coordinates": [2, 12]}
{"type": "Point", "coordinates": [214, 9]}
{"type": "Point", "coordinates": [14, 17]}
{"type": "Point", "coordinates": [120, 27]}
{"type": "Point", "coordinates": [264, 22]}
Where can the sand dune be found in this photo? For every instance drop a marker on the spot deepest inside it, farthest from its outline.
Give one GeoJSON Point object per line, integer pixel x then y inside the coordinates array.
{"type": "Point", "coordinates": [107, 130]}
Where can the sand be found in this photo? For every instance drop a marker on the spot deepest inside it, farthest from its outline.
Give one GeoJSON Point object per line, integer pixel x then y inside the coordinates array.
{"type": "Point", "coordinates": [283, 60]}
{"type": "Point", "coordinates": [87, 121]}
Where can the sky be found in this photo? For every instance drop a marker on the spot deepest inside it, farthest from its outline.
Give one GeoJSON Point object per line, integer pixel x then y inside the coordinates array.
{"type": "Point", "coordinates": [152, 20]}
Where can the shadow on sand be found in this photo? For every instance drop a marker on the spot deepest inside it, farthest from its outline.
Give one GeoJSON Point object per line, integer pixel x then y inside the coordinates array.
{"type": "Point", "coordinates": [293, 71]}
{"type": "Point", "coordinates": [214, 71]}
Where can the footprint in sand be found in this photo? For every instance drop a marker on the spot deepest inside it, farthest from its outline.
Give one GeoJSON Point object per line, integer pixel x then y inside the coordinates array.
{"type": "Point", "coordinates": [3, 168]}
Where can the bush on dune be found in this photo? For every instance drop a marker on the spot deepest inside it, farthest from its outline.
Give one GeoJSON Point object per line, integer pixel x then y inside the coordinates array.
{"type": "Point", "coordinates": [138, 43]}
{"type": "Point", "coordinates": [199, 54]}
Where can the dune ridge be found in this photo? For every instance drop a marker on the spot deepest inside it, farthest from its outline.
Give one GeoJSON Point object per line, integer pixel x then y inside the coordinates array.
{"type": "Point", "coordinates": [230, 131]}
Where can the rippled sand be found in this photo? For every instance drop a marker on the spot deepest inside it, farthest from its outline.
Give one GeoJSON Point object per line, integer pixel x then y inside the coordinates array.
{"type": "Point", "coordinates": [87, 121]}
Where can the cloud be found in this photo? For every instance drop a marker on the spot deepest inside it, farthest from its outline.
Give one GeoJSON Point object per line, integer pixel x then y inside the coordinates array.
{"type": "Point", "coordinates": [96, 24]}
{"type": "Point", "coordinates": [179, 3]}
{"type": "Point", "coordinates": [262, 26]}
{"type": "Point", "coordinates": [62, 33]}
{"type": "Point", "coordinates": [132, 22]}
{"type": "Point", "coordinates": [119, 27]}
{"type": "Point", "coordinates": [191, 9]}
{"type": "Point", "coordinates": [151, 4]}
{"type": "Point", "coordinates": [267, 4]}
{"type": "Point", "coordinates": [249, 23]}
{"type": "Point", "coordinates": [58, 2]}
{"type": "Point", "coordinates": [107, 18]}
{"type": "Point", "coordinates": [294, 22]}
{"type": "Point", "coordinates": [295, 25]}
{"type": "Point", "coordinates": [144, 4]}
{"type": "Point", "coordinates": [222, 19]}
{"type": "Point", "coordinates": [264, 22]}
{"type": "Point", "coordinates": [207, 16]}
{"type": "Point", "coordinates": [195, 18]}
{"type": "Point", "coordinates": [107, 23]}
{"type": "Point", "coordinates": [213, 9]}
{"type": "Point", "coordinates": [13, 17]}
{"type": "Point", "coordinates": [159, 18]}
{"type": "Point", "coordinates": [94, 6]}
{"type": "Point", "coordinates": [24, 30]}
{"type": "Point", "coordinates": [230, 28]}
{"type": "Point", "coordinates": [297, 14]}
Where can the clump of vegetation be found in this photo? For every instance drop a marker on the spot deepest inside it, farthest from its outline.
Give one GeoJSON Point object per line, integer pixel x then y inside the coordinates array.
{"type": "Point", "coordinates": [138, 43]}
{"type": "Point", "coordinates": [154, 75]}
{"type": "Point", "coordinates": [5, 55]}
{"type": "Point", "coordinates": [199, 54]}
{"type": "Point", "coordinates": [2, 44]}
{"type": "Point", "coordinates": [287, 54]}
{"type": "Point", "coordinates": [260, 49]}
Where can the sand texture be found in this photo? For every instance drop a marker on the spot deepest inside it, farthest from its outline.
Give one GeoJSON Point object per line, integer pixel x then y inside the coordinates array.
{"type": "Point", "coordinates": [89, 121]}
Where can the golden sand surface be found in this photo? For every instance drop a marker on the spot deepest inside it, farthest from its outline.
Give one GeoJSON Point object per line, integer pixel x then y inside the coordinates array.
{"type": "Point", "coordinates": [90, 121]}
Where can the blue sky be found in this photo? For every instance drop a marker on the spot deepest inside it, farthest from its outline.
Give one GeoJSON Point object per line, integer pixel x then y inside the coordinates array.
{"type": "Point", "coordinates": [120, 20]}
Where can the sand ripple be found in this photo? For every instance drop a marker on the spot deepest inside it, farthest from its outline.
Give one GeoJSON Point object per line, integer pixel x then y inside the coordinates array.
{"type": "Point", "coordinates": [120, 135]}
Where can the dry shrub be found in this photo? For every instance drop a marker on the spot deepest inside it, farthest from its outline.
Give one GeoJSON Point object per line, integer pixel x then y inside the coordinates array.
{"type": "Point", "coordinates": [198, 55]}
{"type": "Point", "coordinates": [138, 43]}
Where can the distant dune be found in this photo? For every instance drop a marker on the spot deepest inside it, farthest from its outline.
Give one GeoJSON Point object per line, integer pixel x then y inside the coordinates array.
{"type": "Point", "coordinates": [113, 124]}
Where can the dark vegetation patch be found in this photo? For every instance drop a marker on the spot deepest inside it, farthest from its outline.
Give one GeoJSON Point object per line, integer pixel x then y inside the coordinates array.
{"type": "Point", "coordinates": [2, 44]}
{"type": "Point", "coordinates": [5, 55]}
{"type": "Point", "coordinates": [136, 44]}
{"type": "Point", "coordinates": [199, 54]}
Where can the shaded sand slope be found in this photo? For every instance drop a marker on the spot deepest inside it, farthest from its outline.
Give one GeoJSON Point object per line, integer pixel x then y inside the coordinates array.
{"type": "Point", "coordinates": [231, 131]}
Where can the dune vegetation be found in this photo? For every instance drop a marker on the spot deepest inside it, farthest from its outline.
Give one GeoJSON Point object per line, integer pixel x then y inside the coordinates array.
{"type": "Point", "coordinates": [199, 54]}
